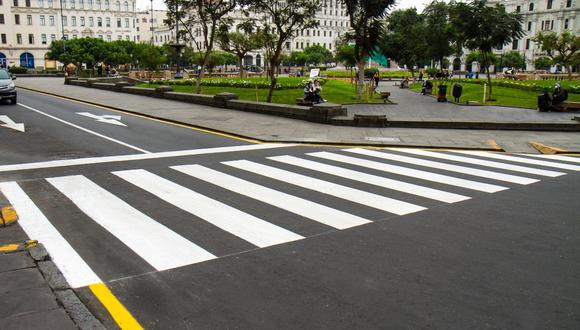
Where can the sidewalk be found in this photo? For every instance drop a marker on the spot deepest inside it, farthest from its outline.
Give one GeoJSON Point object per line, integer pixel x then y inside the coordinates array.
{"type": "Point", "coordinates": [279, 129]}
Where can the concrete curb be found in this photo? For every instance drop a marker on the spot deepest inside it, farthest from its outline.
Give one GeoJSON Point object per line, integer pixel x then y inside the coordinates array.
{"type": "Point", "coordinates": [257, 140]}
{"type": "Point", "coordinates": [549, 150]}
{"type": "Point", "coordinates": [65, 296]}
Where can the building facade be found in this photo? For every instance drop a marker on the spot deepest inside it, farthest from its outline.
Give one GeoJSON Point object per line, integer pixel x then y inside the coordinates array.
{"type": "Point", "coordinates": [539, 16]}
{"type": "Point", "coordinates": [27, 27]}
{"type": "Point", "coordinates": [152, 28]}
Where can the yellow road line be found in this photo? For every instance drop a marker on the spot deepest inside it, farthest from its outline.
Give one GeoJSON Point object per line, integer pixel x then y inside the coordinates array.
{"type": "Point", "coordinates": [119, 313]}
{"type": "Point", "coordinates": [9, 247]}
{"type": "Point", "coordinates": [493, 144]}
{"type": "Point", "coordinates": [546, 149]}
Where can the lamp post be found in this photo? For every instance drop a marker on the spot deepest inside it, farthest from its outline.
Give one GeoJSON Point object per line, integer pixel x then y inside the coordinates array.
{"type": "Point", "coordinates": [177, 46]}
{"type": "Point", "coordinates": [152, 29]}
{"type": "Point", "coordinates": [62, 27]}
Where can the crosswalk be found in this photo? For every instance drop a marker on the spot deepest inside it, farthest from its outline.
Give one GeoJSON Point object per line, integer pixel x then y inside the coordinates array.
{"type": "Point", "coordinates": [327, 190]}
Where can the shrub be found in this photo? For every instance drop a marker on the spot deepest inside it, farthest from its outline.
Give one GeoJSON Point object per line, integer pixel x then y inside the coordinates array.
{"type": "Point", "coordinates": [370, 72]}
{"type": "Point", "coordinates": [18, 69]}
{"type": "Point", "coordinates": [240, 83]}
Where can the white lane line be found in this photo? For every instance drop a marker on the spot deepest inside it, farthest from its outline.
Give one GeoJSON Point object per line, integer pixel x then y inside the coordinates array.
{"type": "Point", "coordinates": [400, 170]}
{"type": "Point", "coordinates": [446, 167]}
{"type": "Point", "coordinates": [320, 213]}
{"type": "Point", "coordinates": [325, 187]}
{"type": "Point", "coordinates": [125, 158]}
{"type": "Point", "coordinates": [522, 160]}
{"type": "Point", "coordinates": [161, 247]}
{"type": "Point", "coordinates": [85, 129]}
{"type": "Point", "coordinates": [557, 157]}
{"type": "Point", "coordinates": [234, 221]}
{"type": "Point", "coordinates": [405, 187]}
{"type": "Point", "coordinates": [487, 163]}
{"type": "Point", "coordinates": [37, 226]}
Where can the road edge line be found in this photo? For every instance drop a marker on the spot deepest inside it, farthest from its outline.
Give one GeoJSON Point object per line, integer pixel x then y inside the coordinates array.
{"type": "Point", "coordinates": [546, 149]}
{"type": "Point", "coordinates": [118, 312]}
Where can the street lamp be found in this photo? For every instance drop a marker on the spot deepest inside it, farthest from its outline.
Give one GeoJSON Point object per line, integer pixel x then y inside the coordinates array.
{"type": "Point", "coordinates": [177, 46]}
{"type": "Point", "coordinates": [152, 33]}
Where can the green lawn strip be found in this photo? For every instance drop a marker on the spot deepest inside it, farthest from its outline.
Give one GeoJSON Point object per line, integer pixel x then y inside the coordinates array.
{"type": "Point", "coordinates": [503, 95]}
{"type": "Point", "coordinates": [384, 74]}
{"type": "Point", "coordinates": [333, 91]}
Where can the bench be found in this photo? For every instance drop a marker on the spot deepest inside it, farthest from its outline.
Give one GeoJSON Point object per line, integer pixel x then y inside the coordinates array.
{"type": "Point", "coordinates": [385, 96]}
{"type": "Point", "coordinates": [301, 101]}
{"type": "Point", "coordinates": [569, 106]}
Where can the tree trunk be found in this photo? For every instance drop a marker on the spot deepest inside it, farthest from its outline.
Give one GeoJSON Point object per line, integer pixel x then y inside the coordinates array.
{"type": "Point", "coordinates": [241, 59]}
{"type": "Point", "coordinates": [273, 82]}
{"type": "Point", "coordinates": [486, 64]}
{"type": "Point", "coordinates": [569, 69]}
{"type": "Point", "coordinates": [361, 79]}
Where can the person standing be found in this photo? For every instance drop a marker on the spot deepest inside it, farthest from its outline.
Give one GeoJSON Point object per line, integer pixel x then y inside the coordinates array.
{"type": "Point", "coordinates": [377, 78]}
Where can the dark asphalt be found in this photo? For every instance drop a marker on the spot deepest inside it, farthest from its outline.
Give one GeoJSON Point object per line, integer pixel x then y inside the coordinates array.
{"type": "Point", "coordinates": [502, 260]}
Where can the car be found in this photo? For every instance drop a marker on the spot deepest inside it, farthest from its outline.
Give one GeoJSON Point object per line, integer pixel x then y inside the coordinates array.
{"type": "Point", "coordinates": [7, 86]}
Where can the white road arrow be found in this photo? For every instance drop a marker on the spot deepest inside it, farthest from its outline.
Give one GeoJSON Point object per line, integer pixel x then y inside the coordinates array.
{"type": "Point", "coordinates": [109, 119]}
{"type": "Point", "coordinates": [9, 123]}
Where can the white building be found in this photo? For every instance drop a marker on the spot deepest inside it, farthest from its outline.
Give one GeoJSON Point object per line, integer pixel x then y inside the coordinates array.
{"type": "Point", "coordinates": [150, 24]}
{"type": "Point", "coordinates": [27, 27]}
{"type": "Point", "coordinates": [538, 16]}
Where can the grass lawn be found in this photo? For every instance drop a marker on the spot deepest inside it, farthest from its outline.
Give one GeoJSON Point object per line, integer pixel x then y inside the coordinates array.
{"type": "Point", "coordinates": [333, 91]}
{"type": "Point", "coordinates": [503, 95]}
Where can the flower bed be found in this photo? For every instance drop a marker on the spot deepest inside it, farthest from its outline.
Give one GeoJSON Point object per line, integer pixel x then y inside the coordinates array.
{"type": "Point", "coordinates": [283, 83]}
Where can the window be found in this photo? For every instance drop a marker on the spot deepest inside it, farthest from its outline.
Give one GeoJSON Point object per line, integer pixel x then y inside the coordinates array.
{"type": "Point", "coordinates": [73, 20]}
{"type": "Point", "coordinates": [53, 37]}
{"type": "Point", "coordinates": [64, 21]}
{"type": "Point", "coordinates": [3, 37]}
{"type": "Point", "coordinates": [91, 22]}
{"type": "Point", "coordinates": [82, 21]}
{"type": "Point", "coordinates": [101, 36]}
{"type": "Point", "coordinates": [515, 44]}
{"type": "Point", "coordinates": [518, 9]}
{"type": "Point", "coordinates": [27, 3]}
{"type": "Point", "coordinates": [29, 19]}
{"type": "Point", "coordinates": [90, 4]}
{"type": "Point", "coordinates": [118, 22]}
{"type": "Point", "coordinates": [552, 25]}
{"type": "Point", "coordinates": [65, 37]}
{"type": "Point", "coordinates": [127, 38]}
{"type": "Point", "coordinates": [82, 4]}
{"type": "Point", "coordinates": [527, 43]}
{"type": "Point", "coordinates": [74, 36]}
{"type": "Point", "coordinates": [119, 37]}
{"type": "Point", "coordinates": [43, 39]}
{"type": "Point", "coordinates": [549, 5]}
{"type": "Point", "coordinates": [126, 5]}
{"type": "Point", "coordinates": [108, 21]}
{"type": "Point", "coordinates": [107, 5]}
{"type": "Point", "coordinates": [118, 5]}
{"type": "Point", "coordinates": [42, 20]}
{"type": "Point", "coordinates": [50, 4]}
{"type": "Point", "coordinates": [1, 18]}
{"type": "Point", "coordinates": [330, 33]}
{"type": "Point", "coordinates": [15, 3]}
{"type": "Point", "coordinates": [16, 19]}
{"type": "Point", "coordinates": [99, 22]}
{"type": "Point", "coordinates": [566, 22]}
{"type": "Point", "coordinates": [72, 4]}
{"type": "Point", "coordinates": [31, 38]}
{"type": "Point", "coordinates": [568, 3]}
{"type": "Point", "coordinates": [529, 26]}
{"type": "Point", "coordinates": [41, 3]}
{"type": "Point", "coordinates": [531, 7]}
{"type": "Point", "coordinates": [19, 38]}
{"type": "Point", "coordinates": [126, 22]}
{"type": "Point", "coordinates": [98, 4]}
{"type": "Point", "coordinates": [324, 33]}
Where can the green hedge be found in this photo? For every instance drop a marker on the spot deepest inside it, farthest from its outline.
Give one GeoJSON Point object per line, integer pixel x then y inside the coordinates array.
{"type": "Point", "coordinates": [384, 74]}
{"type": "Point", "coordinates": [18, 69]}
{"type": "Point", "coordinates": [240, 83]}
{"type": "Point", "coordinates": [527, 85]}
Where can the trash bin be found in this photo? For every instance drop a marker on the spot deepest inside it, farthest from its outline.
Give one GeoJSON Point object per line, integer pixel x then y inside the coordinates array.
{"type": "Point", "coordinates": [544, 102]}
{"type": "Point", "coordinates": [442, 93]}
{"type": "Point", "coordinates": [457, 90]}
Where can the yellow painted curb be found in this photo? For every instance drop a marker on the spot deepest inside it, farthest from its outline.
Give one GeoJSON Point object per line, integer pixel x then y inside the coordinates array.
{"type": "Point", "coordinates": [9, 247]}
{"type": "Point", "coordinates": [8, 216]}
{"type": "Point", "coordinates": [493, 144]}
{"type": "Point", "coordinates": [545, 149]}
{"type": "Point", "coordinates": [119, 313]}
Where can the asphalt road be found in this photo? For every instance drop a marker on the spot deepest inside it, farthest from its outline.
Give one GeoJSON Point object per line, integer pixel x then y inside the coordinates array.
{"type": "Point", "coordinates": [228, 234]}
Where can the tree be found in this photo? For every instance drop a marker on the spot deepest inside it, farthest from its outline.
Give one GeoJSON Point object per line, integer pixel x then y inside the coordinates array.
{"type": "Point", "coordinates": [281, 20]}
{"type": "Point", "coordinates": [240, 43]}
{"type": "Point", "coordinates": [366, 18]}
{"type": "Point", "coordinates": [405, 41]}
{"type": "Point", "coordinates": [439, 31]}
{"type": "Point", "coordinates": [298, 58]}
{"type": "Point", "coordinates": [89, 51]}
{"type": "Point", "coordinates": [484, 28]}
{"type": "Point", "coordinates": [149, 56]}
{"type": "Point", "coordinates": [345, 55]}
{"type": "Point", "coordinates": [484, 60]}
{"type": "Point", "coordinates": [563, 49]}
{"type": "Point", "coordinates": [513, 59]}
{"type": "Point", "coordinates": [317, 54]}
{"type": "Point", "coordinates": [543, 63]}
{"type": "Point", "coordinates": [210, 16]}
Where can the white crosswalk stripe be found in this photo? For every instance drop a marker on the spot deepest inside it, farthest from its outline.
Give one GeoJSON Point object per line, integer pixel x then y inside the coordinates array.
{"type": "Point", "coordinates": [254, 230]}
{"type": "Point", "coordinates": [147, 237]}
{"type": "Point", "coordinates": [300, 206]}
{"type": "Point", "coordinates": [447, 167]}
{"type": "Point", "coordinates": [325, 187]}
{"type": "Point", "coordinates": [405, 171]}
{"type": "Point", "coordinates": [487, 163]}
{"type": "Point", "coordinates": [521, 160]}
{"type": "Point", "coordinates": [166, 247]}
{"type": "Point", "coordinates": [38, 227]}
{"type": "Point", "coordinates": [405, 187]}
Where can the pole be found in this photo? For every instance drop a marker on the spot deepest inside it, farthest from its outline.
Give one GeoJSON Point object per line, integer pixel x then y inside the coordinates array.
{"type": "Point", "coordinates": [152, 34]}
{"type": "Point", "coordinates": [62, 27]}
{"type": "Point", "coordinates": [484, 92]}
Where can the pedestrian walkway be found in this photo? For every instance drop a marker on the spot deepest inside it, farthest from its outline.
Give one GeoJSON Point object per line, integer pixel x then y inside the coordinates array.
{"type": "Point", "coordinates": [279, 129]}
{"type": "Point", "coordinates": [183, 213]}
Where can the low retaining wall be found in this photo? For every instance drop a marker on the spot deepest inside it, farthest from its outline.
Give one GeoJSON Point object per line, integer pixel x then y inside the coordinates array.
{"type": "Point", "coordinates": [320, 113]}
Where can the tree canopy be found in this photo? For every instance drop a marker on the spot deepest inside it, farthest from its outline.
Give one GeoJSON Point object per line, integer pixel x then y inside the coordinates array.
{"type": "Point", "coordinates": [563, 49]}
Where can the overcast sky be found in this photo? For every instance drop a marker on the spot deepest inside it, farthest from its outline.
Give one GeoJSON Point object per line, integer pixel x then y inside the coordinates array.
{"type": "Point", "coordinates": [159, 4]}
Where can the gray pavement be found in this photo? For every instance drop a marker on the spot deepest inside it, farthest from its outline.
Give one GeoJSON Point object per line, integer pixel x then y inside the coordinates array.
{"type": "Point", "coordinates": [278, 129]}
